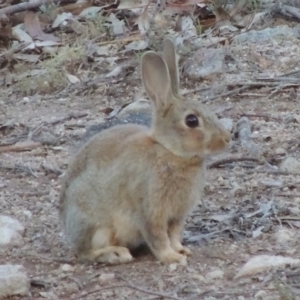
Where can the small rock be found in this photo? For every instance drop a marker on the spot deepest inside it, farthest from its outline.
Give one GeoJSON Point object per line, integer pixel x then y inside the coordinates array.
{"type": "Point", "coordinates": [27, 213]}
{"type": "Point", "coordinates": [291, 165]}
{"type": "Point", "coordinates": [215, 274]}
{"type": "Point", "coordinates": [9, 237]}
{"type": "Point", "coordinates": [13, 280]}
{"type": "Point", "coordinates": [106, 276]}
{"type": "Point", "coordinates": [261, 295]}
{"type": "Point", "coordinates": [205, 63]}
{"type": "Point", "coordinates": [280, 151]}
{"type": "Point", "coordinates": [11, 231]}
{"type": "Point", "coordinates": [172, 267]}
{"type": "Point", "coordinates": [67, 268]}
{"type": "Point", "coordinates": [271, 182]}
{"type": "Point", "coordinates": [263, 263]}
{"type": "Point", "coordinates": [191, 288]}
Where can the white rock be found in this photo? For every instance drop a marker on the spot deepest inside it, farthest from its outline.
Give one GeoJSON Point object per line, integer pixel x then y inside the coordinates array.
{"type": "Point", "coordinates": [11, 231]}
{"type": "Point", "coordinates": [215, 274]}
{"type": "Point", "coordinates": [291, 165]}
{"type": "Point", "coordinates": [13, 280]}
{"type": "Point", "coordinates": [261, 295]}
{"type": "Point", "coordinates": [6, 221]}
{"type": "Point", "coordinates": [280, 151]}
{"type": "Point", "coordinates": [262, 263]}
{"type": "Point", "coordinates": [172, 267]}
{"type": "Point", "coordinates": [67, 268]}
{"type": "Point", "coordinates": [106, 276]}
{"type": "Point", "coordinates": [9, 236]}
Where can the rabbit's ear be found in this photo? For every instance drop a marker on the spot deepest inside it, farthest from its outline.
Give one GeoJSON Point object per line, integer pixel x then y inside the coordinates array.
{"type": "Point", "coordinates": [169, 55]}
{"type": "Point", "coordinates": [156, 78]}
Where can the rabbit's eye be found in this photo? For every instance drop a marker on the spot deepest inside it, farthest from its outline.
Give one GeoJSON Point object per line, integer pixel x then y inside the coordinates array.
{"type": "Point", "coordinates": [192, 121]}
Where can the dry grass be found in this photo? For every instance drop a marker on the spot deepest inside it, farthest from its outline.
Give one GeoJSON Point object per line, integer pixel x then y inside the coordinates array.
{"type": "Point", "coordinates": [67, 59]}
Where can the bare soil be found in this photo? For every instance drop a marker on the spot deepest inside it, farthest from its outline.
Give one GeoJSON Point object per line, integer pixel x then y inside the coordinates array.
{"type": "Point", "coordinates": [228, 234]}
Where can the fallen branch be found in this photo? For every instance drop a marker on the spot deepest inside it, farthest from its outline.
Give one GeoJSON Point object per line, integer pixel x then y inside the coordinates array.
{"type": "Point", "coordinates": [20, 146]}
{"type": "Point", "coordinates": [229, 160]}
{"type": "Point", "coordinates": [12, 9]}
{"type": "Point", "coordinates": [140, 289]}
{"type": "Point", "coordinates": [127, 285]}
{"type": "Point", "coordinates": [232, 92]}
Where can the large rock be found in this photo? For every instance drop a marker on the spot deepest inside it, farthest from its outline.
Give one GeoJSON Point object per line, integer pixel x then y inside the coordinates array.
{"type": "Point", "coordinates": [11, 231]}
{"type": "Point", "coordinates": [205, 64]}
{"type": "Point", "coordinates": [265, 263]}
{"type": "Point", "coordinates": [13, 281]}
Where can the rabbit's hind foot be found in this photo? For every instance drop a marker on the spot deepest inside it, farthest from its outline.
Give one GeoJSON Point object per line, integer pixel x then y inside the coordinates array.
{"type": "Point", "coordinates": [109, 255]}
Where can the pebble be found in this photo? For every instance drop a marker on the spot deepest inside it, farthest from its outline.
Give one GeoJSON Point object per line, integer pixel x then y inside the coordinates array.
{"type": "Point", "coordinates": [215, 274]}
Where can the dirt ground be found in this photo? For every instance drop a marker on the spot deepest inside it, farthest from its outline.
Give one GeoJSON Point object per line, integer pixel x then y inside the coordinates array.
{"type": "Point", "coordinates": [223, 237]}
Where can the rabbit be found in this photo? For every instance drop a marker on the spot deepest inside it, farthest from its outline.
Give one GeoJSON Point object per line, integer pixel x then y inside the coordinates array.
{"type": "Point", "coordinates": [132, 184]}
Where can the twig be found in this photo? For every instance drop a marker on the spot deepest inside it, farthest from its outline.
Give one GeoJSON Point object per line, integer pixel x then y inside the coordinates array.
{"type": "Point", "coordinates": [273, 172]}
{"type": "Point", "coordinates": [228, 160]}
{"type": "Point", "coordinates": [140, 289]}
{"type": "Point", "coordinates": [127, 285]}
{"type": "Point", "coordinates": [290, 11]}
{"type": "Point", "coordinates": [20, 146]}
{"type": "Point", "coordinates": [232, 92]}
{"type": "Point", "coordinates": [84, 295]}
{"type": "Point", "coordinates": [125, 40]}
{"type": "Point", "coordinates": [27, 6]}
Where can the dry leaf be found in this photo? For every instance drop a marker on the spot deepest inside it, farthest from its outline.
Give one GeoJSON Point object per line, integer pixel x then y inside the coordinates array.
{"type": "Point", "coordinates": [73, 79]}
{"type": "Point", "coordinates": [143, 22]}
{"type": "Point", "coordinates": [61, 19]}
{"type": "Point", "coordinates": [129, 4]}
{"type": "Point", "coordinates": [117, 26]}
{"type": "Point", "coordinates": [90, 12]}
{"type": "Point", "coordinates": [33, 58]}
{"type": "Point", "coordinates": [188, 28]}
{"type": "Point", "coordinates": [137, 45]}
{"type": "Point", "coordinates": [21, 35]}
{"type": "Point", "coordinates": [33, 27]}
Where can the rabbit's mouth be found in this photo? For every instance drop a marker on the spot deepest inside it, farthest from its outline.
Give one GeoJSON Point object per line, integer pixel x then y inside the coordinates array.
{"type": "Point", "coordinates": [217, 145]}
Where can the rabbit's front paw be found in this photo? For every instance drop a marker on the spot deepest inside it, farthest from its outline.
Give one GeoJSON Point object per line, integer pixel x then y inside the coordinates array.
{"type": "Point", "coordinates": [185, 251]}
{"type": "Point", "coordinates": [177, 246]}
{"type": "Point", "coordinates": [169, 257]}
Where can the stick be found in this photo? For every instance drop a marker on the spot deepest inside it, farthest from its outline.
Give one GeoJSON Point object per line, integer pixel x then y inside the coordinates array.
{"type": "Point", "coordinates": [12, 9]}
{"type": "Point", "coordinates": [140, 289]}
{"type": "Point", "coordinates": [232, 92]}
{"type": "Point", "coordinates": [127, 285]}
{"type": "Point", "coordinates": [228, 160]}
{"type": "Point", "coordinates": [20, 146]}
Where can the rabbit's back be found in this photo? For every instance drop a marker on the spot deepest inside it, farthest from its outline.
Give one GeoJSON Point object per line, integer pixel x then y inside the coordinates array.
{"type": "Point", "coordinates": [95, 163]}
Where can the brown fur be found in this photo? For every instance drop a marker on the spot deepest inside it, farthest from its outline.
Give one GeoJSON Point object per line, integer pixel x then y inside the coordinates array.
{"type": "Point", "coordinates": [130, 185]}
